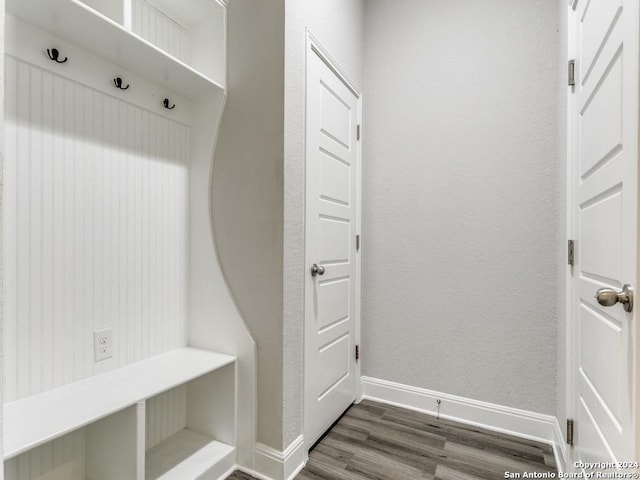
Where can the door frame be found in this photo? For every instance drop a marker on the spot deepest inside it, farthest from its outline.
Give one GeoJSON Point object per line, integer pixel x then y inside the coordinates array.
{"type": "Point", "coordinates": [570, 327]}
{"type": "Point", "coordinates": [571, 341]}
{"type": "Point", "coordinates": [314, 47]}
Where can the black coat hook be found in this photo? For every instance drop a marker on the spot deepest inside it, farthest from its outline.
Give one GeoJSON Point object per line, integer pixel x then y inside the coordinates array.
{"type": "Point", "coordinates": [54, 54]}
{"type": "Point", "coordinates": [118, 83]}
{"type": "Point", "coordinates": [165, 102]}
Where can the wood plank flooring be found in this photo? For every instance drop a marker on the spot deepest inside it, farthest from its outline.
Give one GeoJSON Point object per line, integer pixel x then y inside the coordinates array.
{"type": "Point", "coordinates": [374, 441]}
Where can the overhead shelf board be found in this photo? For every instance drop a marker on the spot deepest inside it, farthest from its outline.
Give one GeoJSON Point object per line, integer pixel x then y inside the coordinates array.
{"type": "Point", "coordinates": [77, 23]}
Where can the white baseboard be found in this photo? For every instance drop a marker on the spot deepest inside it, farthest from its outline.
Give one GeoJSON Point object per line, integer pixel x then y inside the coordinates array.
{"type": "Point", "coordinates": [228, 472]}
{"type": "Point", "coordinates": [271, 464]}
{"type": "Point", "coordinates": [253, 473]}
{"type": "Point", "coordinates": [560, 448]}
{"type": "Point", "coordinates": [498, 418]}
{"type": "Point", "coordinates": [295, 458]}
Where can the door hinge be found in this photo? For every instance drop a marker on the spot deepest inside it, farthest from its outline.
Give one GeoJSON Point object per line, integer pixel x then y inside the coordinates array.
{"type": "Point", "coordinates": [570, 252]}
{"type": "Point", "coordinates": [358, 133]}
{"type": "Point", "coordinates": [357, 352]}
{"type": "Point", "coordinates": [569, 431]}
{"type": "Point", "coordinates": [357, 242]}
{"type": "Point", "coordinates": [572, 73]}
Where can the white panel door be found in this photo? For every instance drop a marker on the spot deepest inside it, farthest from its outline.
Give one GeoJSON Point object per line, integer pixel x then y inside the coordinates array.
{"type": "Point", "coordinates": [605, 145]}
{"type": "Point", "coordinates": [331, 217]}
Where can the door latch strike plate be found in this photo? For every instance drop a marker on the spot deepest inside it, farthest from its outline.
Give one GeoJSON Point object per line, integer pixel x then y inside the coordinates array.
{"type": "Point", "coordinates": [569, 431]}
{"type": "Point", "coordinates": [357, 352]}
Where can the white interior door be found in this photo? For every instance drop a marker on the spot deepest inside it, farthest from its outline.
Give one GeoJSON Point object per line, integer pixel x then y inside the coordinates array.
{"type": "Point", "coordinates": [332, 154]}
{"type": "Point", "coordinates": [604, 127]}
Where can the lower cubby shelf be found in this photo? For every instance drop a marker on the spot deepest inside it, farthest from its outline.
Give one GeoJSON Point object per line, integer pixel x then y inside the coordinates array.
{"type": "Point", "coordinates": [188, 454]}
{"type": "Point", "coordinates": [170, 417]}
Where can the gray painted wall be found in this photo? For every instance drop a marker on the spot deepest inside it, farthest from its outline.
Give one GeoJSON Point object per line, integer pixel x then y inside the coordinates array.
{"type": "Point", "coordinates": [256, 206]}
{"type": "Point", "coordinates": [463, 198]}
{"type": "Point", "coordinates": [561, 387]}
{"type": "Point", "coordinates": [247, 192]}
{"type": "Point", "coordinates": [338, 24]}
{"type": "Point", "coordinates": [1, 228]}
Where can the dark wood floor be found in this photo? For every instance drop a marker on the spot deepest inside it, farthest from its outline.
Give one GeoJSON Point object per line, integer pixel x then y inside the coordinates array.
{"type": "Point", "coordinates": [373, 441]}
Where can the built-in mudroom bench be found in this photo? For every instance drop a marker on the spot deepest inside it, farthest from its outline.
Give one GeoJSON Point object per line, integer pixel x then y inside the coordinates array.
{"type": "Point", "coordinates": [123, 408]}
{"type": "Point", "coordinates": [112, 109]}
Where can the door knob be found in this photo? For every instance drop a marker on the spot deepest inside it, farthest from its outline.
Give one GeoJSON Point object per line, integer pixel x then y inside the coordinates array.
{"type": "Point", "coordinates": [317, 270]}
{"type": "Point", "coordinates": [607, 297]}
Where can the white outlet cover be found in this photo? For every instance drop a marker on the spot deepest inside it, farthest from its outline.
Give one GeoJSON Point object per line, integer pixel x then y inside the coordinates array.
{"type": "Point", "coordinates": [103, 344]}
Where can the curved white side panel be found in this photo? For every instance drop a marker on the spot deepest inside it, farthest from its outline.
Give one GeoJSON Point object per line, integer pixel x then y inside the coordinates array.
{"type": "Point", "coordinates": [214, 320]}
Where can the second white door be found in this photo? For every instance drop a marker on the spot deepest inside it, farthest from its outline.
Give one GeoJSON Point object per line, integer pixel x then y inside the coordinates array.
{"type": "Point", "coordinates": [604, 214]}
{"type": "Point", "coordinates": [332, 153]}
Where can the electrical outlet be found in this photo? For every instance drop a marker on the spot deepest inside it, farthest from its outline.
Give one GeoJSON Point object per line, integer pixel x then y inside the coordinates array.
{"type": "Point", "coordinates": [103, 344]}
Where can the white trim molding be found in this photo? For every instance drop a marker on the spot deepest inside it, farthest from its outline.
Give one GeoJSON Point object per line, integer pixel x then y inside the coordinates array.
{"type": "Point", "coordinates": [498, 418]}
{"type": "Point", "coordinates": [560, 447]}
{"type": "Point", "coordinates": [271, 464]}
{"type": "Point", "coordinates": [318, 47]}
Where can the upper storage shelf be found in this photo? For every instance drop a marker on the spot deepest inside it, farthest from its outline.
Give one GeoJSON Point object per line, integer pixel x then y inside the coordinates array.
{"type": "Point", "coordinates": [176, 44]}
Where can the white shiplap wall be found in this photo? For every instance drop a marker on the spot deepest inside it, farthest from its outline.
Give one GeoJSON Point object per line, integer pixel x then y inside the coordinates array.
{"type": "Point", "coordinates": [166, 415]}
{"type": "Point", "coordinates": [61, 459]}
{"type": "Point", "coordinates": [95, 226]}
{"type": "Point", "coordinates": [161, 30]}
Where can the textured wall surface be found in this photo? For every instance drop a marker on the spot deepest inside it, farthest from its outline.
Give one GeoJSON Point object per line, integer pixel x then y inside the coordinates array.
{"type": "Point", "coordinates": [247, 191]}
{"type": "Point", "coordinates": [463, 198]}
{"type": "Point", "coordinates": [1, 229]}
{"type": "Point", "coordinates": [561, 387]}
{"type": "Point", "coordinates": [248, 177]}
{"type": "Point", "coordinates": [338, 26]}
